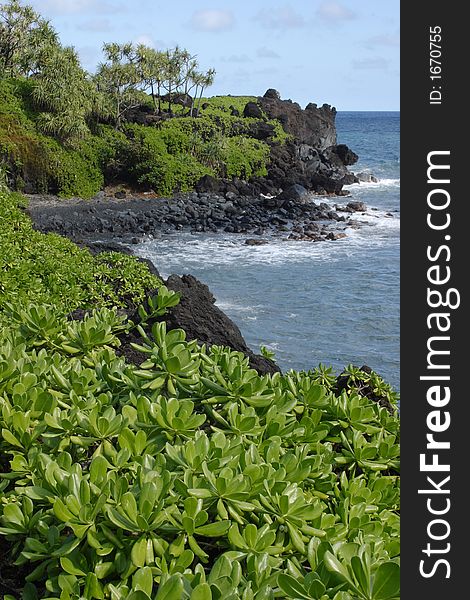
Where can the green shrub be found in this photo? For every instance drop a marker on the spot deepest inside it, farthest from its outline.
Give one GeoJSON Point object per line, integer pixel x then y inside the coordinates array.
{"type": "Point", "coordinates": [168, 158]}
{"type": "Point", "coordinates": [152, 163]}
{"type": "Point", "coordinates": [245, 157]}
{"type": "Point", "coordinates": [190, 476]}
{"type": "Point", "coordinates": [40, 162]}
{"type": "Point", "coordinates": [73, 172]}
{"type": "Point", "coordinates": [35, 267]}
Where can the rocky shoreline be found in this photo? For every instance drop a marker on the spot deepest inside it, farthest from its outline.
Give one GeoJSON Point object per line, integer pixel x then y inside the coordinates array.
{"type": "Point", "coordinates": [293, 214]}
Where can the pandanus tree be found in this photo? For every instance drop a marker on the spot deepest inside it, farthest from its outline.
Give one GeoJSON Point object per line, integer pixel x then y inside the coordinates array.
{"type": "Point", "coordinates": [202, 82]}
{"type": "Point", "coordinates": [118, 78]}
{"type": "Point", "coordinates": [173, 75]}
{"type": "Point", "coordinates": [24, 37]}
{"type": "Point", "coordinates": [65, 94]}
{"type": "Point", "coordinates": [151, 65]}
{"type": "Point", "coordinates": [174, 71]}
{"type": "Point", "coordinates": [189, 68]}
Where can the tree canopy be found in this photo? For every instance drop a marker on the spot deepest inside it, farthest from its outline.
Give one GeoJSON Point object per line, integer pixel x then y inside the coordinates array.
{"type": "Point", "coordinates": [70, 98]}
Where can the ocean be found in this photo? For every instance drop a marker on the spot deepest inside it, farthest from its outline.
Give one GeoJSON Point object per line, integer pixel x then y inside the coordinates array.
{"type": "Point", "coordinates": [335, 302]}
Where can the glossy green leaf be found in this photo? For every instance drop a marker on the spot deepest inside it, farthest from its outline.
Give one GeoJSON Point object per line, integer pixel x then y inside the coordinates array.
{"type": "Point", "coordinates": [336, 567]}
{"type": "Point", "coordinates": [201, 592]}
{"type": "Point", "coordinates": [143, 580]}
{"type": "Point", "coordinates": [292, 587]}
{"type": "Point", "coordinates": [171, 589]}
{"type": "Point", "coordinates": [386, 581]}
{"type": "Point", "coordinates": [70, 566]}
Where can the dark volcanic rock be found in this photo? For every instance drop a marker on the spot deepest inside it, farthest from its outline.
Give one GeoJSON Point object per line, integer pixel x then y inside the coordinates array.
{"type": "Point", "coordinates": [261, 130]}
{"type": "Point", "coordinates": [272, 94]}
{"type": "Point", "coordinates": [252, 110]}
{"type": "Point", "coordinates": [357, 206]}
{"type": "Point", "coordinates": [207, 183]}
{"type": "Point", "coordinates": [366, 177]}
{"type": "Point", "coordinates": [255, 242]}
{"type": "Point", "coordinates": [294, 192]}
{"type": "Point", "coordinates": [315, 126]}
{"type": "Point", "coordinates": [198, 316]}
{"type": "Point", "coordinates": [346, 155]}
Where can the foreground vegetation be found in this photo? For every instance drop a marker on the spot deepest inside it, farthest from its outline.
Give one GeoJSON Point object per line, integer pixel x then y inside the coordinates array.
{"type": "Point", "coordinates": [69, 132]}
{"type": "Point", "coordinates": [185, 476]}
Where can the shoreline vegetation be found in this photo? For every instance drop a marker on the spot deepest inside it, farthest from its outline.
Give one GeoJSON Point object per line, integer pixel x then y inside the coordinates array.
{"type": "Point", "coordinates": [145, 451]}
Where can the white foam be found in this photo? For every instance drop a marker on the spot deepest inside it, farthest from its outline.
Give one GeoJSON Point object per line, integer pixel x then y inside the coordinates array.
{"type": "Point", "coordinates": [228, 306]}
{"type": "Point", "coordinates": [381, 183]}
{"type": "Point", "coordinates": [184, 252]}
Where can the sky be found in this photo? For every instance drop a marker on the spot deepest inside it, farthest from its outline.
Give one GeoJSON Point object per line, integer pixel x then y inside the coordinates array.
{"type": "Point", "coordinates": [344, 53]}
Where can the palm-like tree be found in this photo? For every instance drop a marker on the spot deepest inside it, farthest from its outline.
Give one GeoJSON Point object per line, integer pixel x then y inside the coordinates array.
{"type": "Point", "coordinates": [64, 92]}
{"type": "Point", "coordinates": [151, 64]}
{"type": "Point", "coordinates": [203, 81]}
{"type": "Point", "coordinates": [118, 78]}
{"type": "Point", "coordinates": [24, 36]}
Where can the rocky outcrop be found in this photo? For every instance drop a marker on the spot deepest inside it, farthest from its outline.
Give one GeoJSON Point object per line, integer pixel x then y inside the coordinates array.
{"type": "Point", "coordinates": [320, 171]}
{"type": "Point", "coordinates": [313, 126]}
{"type": "Point", "coordinates": [364, 177]}
{"type": "Point", "coordinates": [252, 110]}
{"type": "Point", "coordinates": [311, 158]}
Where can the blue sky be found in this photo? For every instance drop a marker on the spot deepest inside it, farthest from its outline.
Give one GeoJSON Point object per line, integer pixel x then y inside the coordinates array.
{"type": "Point", "coordinates": [344, 53]}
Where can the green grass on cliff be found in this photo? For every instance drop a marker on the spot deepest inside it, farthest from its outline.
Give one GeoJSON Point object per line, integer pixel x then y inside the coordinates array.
{"type": "Point", "coordinates": [168, 158]}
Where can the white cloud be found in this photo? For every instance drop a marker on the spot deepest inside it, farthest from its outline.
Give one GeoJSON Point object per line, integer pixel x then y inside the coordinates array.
{"type": "Point", "coordinates": [212, 20]}
{"type": "Point", "coordinates": [370, 63]}
{"type": "Point", "coordinates": [265, 52]}
{"type": "Point", "coordinates": [334, 12]}
{"type": "Point", "coordinates": [284, 17]}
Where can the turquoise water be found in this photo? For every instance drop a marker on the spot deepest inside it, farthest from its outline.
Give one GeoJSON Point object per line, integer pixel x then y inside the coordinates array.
{"type": "Point", "coordinates": [331, 302]}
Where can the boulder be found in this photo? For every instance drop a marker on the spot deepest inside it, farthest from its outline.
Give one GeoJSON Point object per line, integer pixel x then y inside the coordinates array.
{"type": "Point", "coordinates": [357, 206]}
{"type": "Point", "coordinates": [184, 100]}
{"type": "Point", "coordinates": [295, 192]}
{"type": "Point", "coordinates": [346, 155]}
{"type": "Point", "coordinates": [272, 94]}
{"type": "Point", "coordinates": [261, 130]}
{"type": "Point", "coordinates": [255, 242]}
{"type": "Point", "coordinates": [366, 177]}
{"type": "Point", "coordinates": [207, 183]}
{"type": "Point", "coordinates": [252, 110]}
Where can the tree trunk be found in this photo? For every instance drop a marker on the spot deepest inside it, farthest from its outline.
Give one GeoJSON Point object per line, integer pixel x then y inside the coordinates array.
{"type": "Point", "coordinates": [193, 98]}
{"type": "Point", "coordinates": [152, 91]}
{"type": "Point", "coordinates": [200, 98]}
{"type": "Point", "coordinates": [169, 99]}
